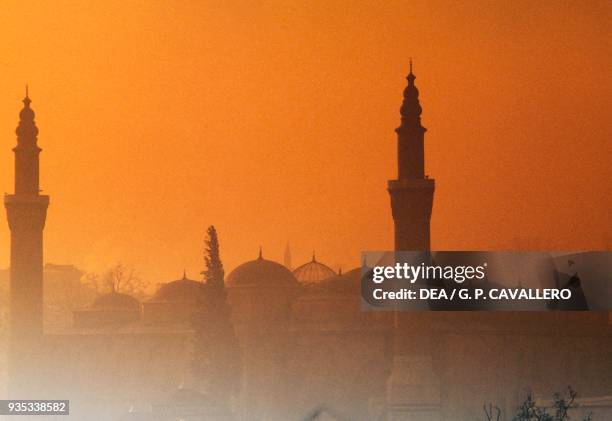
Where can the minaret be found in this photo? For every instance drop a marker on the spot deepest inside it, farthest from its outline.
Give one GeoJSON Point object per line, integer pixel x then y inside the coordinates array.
{"type": "Point", "coordinates": [412, 192]}
{"type": "Point", "coordinates": [26, 211]}
{"type": "Point", "coordinates": [413, 389]}
{"type": "Point", "coordinates": [287, 257]}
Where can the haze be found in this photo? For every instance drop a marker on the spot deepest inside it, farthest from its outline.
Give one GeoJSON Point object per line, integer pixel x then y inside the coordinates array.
{"type": "Point", "coordinates": [275, 121]}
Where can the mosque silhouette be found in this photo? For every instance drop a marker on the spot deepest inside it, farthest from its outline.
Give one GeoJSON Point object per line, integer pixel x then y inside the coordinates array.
{"type": "Point", "coordinates": [306, 345]}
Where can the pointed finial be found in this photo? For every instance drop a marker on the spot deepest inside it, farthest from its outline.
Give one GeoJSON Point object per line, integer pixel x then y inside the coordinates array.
{"type": "Point", "coordinates": [411, 77]}
{"type": "Point", "coordinates": [27, 99]}
{"type": "Point", "coordinates": [340, 271]}
{"type": "Point", "coordinates": [184, 274]}
{"type": "Point", "coordinates": [313, 256]}
{"type": "Point", "coordinates": [260, 253]}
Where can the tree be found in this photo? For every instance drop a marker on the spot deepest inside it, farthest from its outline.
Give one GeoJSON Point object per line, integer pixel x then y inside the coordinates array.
{"type": "Point", "coordinates": [216, 363]}
{"type": "Point", "coordinates": [119, 278]}
{"type": "Point", "coordinates": [493, 413]}
{"type": "Point", "coordinates": [214, 273]}
{"type": "Point", "coordinates": [529, 411]}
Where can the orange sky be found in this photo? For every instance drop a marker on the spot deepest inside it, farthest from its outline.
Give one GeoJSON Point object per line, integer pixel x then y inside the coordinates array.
{"type": "Point", "coordinates": [274, 121]}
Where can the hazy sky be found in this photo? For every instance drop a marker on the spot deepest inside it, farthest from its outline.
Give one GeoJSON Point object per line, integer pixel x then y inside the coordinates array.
{"type": "Point", "coordinates": [274, 121]}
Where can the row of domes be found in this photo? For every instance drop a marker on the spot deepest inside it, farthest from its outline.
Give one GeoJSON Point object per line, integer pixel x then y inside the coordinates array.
{"type": "Point", "coordinates": [255, 273]}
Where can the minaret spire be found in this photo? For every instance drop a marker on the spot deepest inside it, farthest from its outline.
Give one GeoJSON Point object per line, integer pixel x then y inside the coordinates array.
{"type": "Point", "coordinates": [412, 192]}
{"type": "Point", "coordinates": [411, 108]}
{"type": "Point", "coordinates": [26, 151]}
{"type": "Point", "coordinates": [26, 100]}
{"type": "Point", "coordinates": [287, 257]}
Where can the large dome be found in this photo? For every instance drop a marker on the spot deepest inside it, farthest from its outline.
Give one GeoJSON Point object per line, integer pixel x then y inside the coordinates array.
{"type": "Point", "coordinates": [313, 271]}
{"type": "Point", "coordinates": [261, 272]}
{"type": "Point", "coordinates": [183, 290]}
{"type": "Point", "coordinates": [115, 301]}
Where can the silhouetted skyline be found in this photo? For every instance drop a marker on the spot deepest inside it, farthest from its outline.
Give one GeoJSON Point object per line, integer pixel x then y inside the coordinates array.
{"type": "Point", "coordinates": [171, 118]}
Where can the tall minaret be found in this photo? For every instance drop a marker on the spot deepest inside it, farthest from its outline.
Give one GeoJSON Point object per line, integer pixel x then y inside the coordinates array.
{"type": "Point", "coordinates": [412, 192]}
{"type": "Point", "coordinates": [26, 211]}
{"type": "Point", "coordinates": [413, 389]}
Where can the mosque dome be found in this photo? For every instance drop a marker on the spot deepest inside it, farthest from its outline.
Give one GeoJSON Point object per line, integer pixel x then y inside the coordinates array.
{"type": "Point", "coordinates": [112, 309]}
{"type": "Point", "coordinates": [348, 282]}
{"type": "Point", "coordinates": [313, 272]}
{"type": "Point", "coordinates": [261, 272]}
{"type": "Point", "coordinates": [182, 290]}
{"type": "Point", "coordinates": [115, 301]}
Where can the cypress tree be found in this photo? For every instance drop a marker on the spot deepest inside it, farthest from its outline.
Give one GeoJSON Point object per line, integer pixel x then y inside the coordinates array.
{"type": "Point", "coordinates": [213, 272]}
{"type": "Point", "coordinates": [216, 362]}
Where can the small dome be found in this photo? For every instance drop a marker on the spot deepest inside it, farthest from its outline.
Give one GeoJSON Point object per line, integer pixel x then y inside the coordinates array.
{"type": "Point", "coordinates": [261, 272]}
{"type": "Point", "coordinates": [313, 271]}
{"type": "Point", "coordinates": [116, 301]}
{"type": "Point", "coordinates": [348, 282]}
{"type": "Point", "coordinates": [183, 290]}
